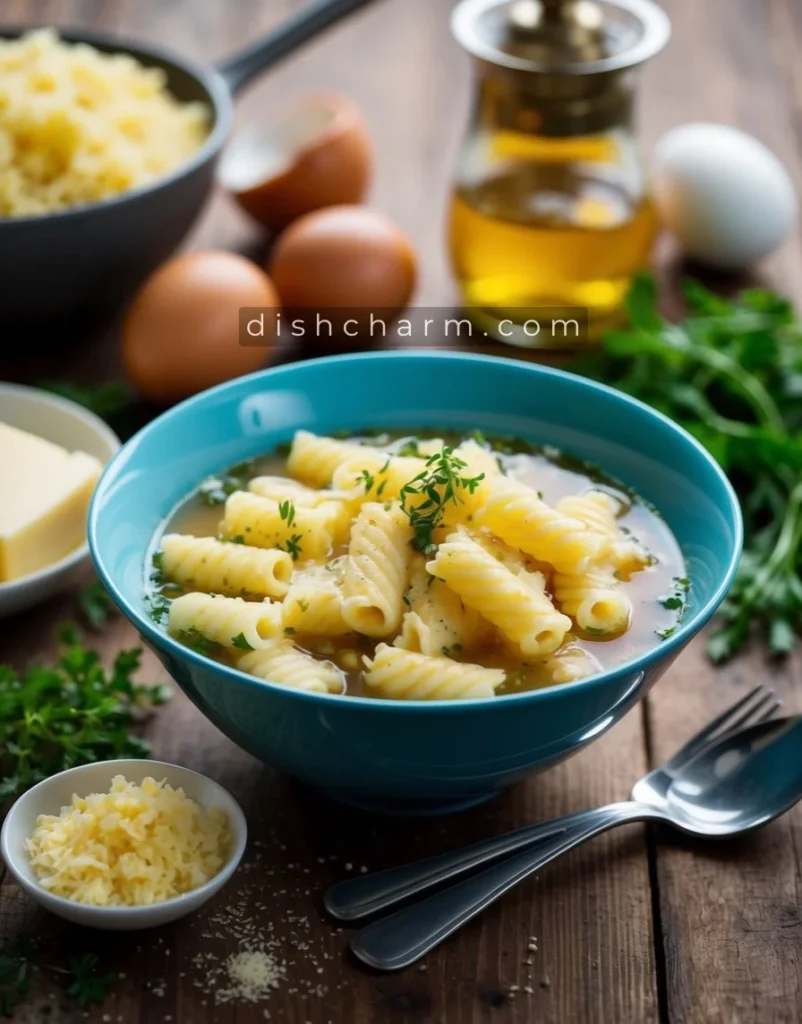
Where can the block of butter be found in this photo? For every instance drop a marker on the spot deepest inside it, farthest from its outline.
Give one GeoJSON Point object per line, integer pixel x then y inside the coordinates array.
{"type": "Point", "coordinates": [44, 496]}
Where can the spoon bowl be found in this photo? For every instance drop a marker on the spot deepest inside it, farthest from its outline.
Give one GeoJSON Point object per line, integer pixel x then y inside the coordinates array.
{"type": "Point", "coordinates": [740, 784]}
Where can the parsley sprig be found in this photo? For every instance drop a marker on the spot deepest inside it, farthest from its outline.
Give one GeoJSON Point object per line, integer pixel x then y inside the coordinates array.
{"type": "Point", "coordinates": [15, 974]}
{"type": "Point", "coordinates": [437, 485]}
{"type": "Point", "coordinates": [731, 374]}
{"type": "Point", "coordinates": [87, 985]}
{"type": "Point", "coordinates": [74, 712]}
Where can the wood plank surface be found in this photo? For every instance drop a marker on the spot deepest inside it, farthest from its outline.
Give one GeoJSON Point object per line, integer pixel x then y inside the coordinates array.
{"type": "Point", "coordinates": [628, 931]}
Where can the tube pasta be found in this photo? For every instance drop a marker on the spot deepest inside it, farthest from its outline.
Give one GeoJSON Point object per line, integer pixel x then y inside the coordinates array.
{"type": "Point", "coordinates": [515, 513]}
{"type": "Point", "coordinates": [376, 570]}
{"type": "Point", "coordinates": [204, 563]}
{"type": "Point", "coordinates": [223, 620]}
{"type": "Point", "coordinates": [406, 675]}
{"type": "Point", "coordinates": [517, 603]}
{"type": "Point", "coordinates": [599, 512]}
{"type": "Point", "coordinates": [570, 665]}
{"type": "Point", "coordinates": [437, 621]}
{"type": "Point", "coordinates": [313, 459]}
{"type": "Point", "coordinates": [259, 522]}
{"type": "Point", "coordinates": [594, 601]}
{"type": "Point", "coordinates": [285, 665]}
{"type": "Point", "coordinates": [373, 475]}
{"type": "Point", "coordinates": [314, 603]}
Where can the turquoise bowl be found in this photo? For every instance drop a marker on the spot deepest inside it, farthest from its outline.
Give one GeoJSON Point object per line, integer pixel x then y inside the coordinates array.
{"type": "Point", "coordinates": [413, 757]}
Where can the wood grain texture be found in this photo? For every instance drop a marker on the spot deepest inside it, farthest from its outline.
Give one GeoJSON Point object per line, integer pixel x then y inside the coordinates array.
{"type": "Point", "coordinates": [729, 925]}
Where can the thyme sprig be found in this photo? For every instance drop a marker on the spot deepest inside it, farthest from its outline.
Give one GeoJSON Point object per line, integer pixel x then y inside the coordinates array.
{"type": "Point", "coordinates": [437, 485]}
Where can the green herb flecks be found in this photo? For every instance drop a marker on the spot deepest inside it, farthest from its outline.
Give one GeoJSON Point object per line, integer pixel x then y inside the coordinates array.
{"type": "Point", "coordinates": [198, 641]}
{"type": "Point", "coordinates": [437, 486]}
{"type": "Point", "coordinates": [15, 972]}
{"type": "Point", "coordinates": [292, 546]}
{"type": "Point", "coordinates": [87, 985]}
{"type": "Point", "coordinates": [731, 374]}
{"type": "Point", "coordinates": [241, 643]}
{"type": "Point", "coordinates": [95, 604]}
{"type": "Point", "coordinates": [215, 489]}
{"type": "Point", "coordinates": [54, 717]}
{"type": "Point", "coordinates": [286, 510]}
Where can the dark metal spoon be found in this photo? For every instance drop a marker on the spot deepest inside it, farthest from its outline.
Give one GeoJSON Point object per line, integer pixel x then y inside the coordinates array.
{"type": "Point", "coordinates": [86, 260]}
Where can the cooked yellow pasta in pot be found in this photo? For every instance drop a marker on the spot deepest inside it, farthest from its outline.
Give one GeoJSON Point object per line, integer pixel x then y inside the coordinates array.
{"type": "Point", "coordinates": [406, 568]}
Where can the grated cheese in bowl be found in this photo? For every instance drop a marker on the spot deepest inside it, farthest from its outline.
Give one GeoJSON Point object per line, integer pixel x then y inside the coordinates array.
{"type": "Point", "coordinates": [134, 846]}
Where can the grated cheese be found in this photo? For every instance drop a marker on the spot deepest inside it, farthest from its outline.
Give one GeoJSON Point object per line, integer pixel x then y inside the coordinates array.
{"type": "Point", "coordinates": [132, 846]}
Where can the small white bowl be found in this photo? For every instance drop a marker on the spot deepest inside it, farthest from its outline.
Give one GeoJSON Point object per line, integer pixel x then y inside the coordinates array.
{"type": "Point", "coordinates": [66, 423]}
{"type": "Point", "coordinates": [50, 796]}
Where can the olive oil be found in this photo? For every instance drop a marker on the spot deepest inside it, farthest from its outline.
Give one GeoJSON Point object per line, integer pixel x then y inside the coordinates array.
{"type": "Point", "coordinates": [547, 235]}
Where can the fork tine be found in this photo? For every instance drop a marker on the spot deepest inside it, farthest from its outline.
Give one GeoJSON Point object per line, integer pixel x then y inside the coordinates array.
{"type": "Point", "coordinates": [749, 714]}
{"type": "Point", "coordinates": [768, 712]}
{"type": "Point", "coordinates": [719, 723]}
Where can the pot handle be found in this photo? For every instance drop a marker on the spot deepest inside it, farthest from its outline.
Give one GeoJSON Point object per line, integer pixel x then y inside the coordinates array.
{"type": "Point", "coordinates": [241, 67]}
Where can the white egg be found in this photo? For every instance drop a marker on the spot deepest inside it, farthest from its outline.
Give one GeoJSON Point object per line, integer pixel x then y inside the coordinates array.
{"type": "Point", "coordinates": [725, 196]}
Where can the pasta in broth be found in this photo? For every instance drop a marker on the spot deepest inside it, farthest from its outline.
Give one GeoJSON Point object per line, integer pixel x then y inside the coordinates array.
{"type": "Point", "coordinates": [416, 568]}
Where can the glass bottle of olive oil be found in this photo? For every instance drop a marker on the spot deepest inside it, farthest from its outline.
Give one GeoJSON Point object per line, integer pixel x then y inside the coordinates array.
{"type": "Point", "coordinates": [550, 209]}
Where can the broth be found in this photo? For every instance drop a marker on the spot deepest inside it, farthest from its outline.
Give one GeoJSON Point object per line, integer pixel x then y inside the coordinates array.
{"type": "Point", "coordinates": [657, 592]}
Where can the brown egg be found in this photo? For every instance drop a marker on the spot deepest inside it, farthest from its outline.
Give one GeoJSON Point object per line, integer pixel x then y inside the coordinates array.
{"type": "Point", "coordinates": [319, 154]}
{"type": "Point", "coordinates": [181, 334]}
{"type": "Point", "coordinates": [345, 258]}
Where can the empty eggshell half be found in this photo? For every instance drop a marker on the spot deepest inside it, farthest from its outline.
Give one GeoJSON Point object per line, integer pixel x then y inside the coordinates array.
{"type": "Point", "coordinates": [317, 154]}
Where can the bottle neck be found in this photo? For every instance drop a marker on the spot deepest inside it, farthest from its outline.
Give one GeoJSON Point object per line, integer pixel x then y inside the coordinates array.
{"type": "Point", "coordinates": [556, 106]}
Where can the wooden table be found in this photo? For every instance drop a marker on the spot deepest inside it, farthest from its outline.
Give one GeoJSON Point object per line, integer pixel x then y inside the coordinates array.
{"type": "Point", "coordinates": [638, 926]}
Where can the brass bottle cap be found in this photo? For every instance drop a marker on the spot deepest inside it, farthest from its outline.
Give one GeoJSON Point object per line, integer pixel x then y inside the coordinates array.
{"type": "Point", "coordinates": [561, 37]}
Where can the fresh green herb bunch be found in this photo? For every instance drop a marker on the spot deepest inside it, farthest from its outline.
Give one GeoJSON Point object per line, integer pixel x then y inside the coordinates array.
{"type": "Point", "coordinates": [74, 712]}
{"type": "Point", "coordinates": [731, 375]}
{"type": "Point", "coordinates": [437, 485]}
{"type": "Point", "coordinates": [87, 984]}
{"type": "Point", "coordinates": [15, 974]}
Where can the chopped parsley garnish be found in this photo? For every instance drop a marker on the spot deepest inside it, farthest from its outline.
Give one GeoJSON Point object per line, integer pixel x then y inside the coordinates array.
{"type": "Point", "coordinates": [303, 604]}
{"type": "Point", "coordinates": [215, 489]}
{"type": "Point", "coordinates": [664, 634]}
{"type": "Point", "coordinates": [289, 630]}
{"type": "Point", "coordinates": [237, 539]}
{"type": "Point", "coordinates": [409, 448]}
{"type": "Point", "coordinates": [96, 604]}
{"type": "Point", "coordinates": [158, 607]}
{"type": "Point", "coordinates": [241, 643]}
{"type": "Point", "coordinates": [286, 510]}
{"type": "Point", "coordinates": [368, 479]}
{"type": "Point", "coordinates": [198, 641]}
{"type": "Point", "coordinates": [437, 485]}
{"type": "Point", "coordinates": [292, 546]}
{"type": "Point", "coordinates": [87, 985]}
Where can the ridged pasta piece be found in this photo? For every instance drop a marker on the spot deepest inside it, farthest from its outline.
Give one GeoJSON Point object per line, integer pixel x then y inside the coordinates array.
{"type": "Point", "coordinates": [224, 619]}
{"type": "Point", "coordinates": [570, 665]}
{"type": "Point", "coordinates": [376, 570]}
{"type": "Point", "coordinates": [313, 459]}
{"type": "Point", "coordinates": [406, 675]}
{"type": "Point", "coordinates": [479, 462]}
{"type": "Point", "coordinates": [282, 488]}
{"type": "Point", "coordinates": [284, 664]}
{"type": "Point", "coordinates": [259, 522]}
{"type": "Point", "coordinates": [594, 601]}
{"type": "Point", "coordinates": [204, 563]}
{"type": "Point", "coordinates": [437, 622]}
{"type": "Point", "coordinates": [373, 475]}
{"type": "Point", "coordinates": [515, 602]}
{"type": "Point", "coordinates": [313, 604]}
{"type": "Point", "coordinates": [514, 512]}
{"type": "Point", "coordinates": [599, 512]}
